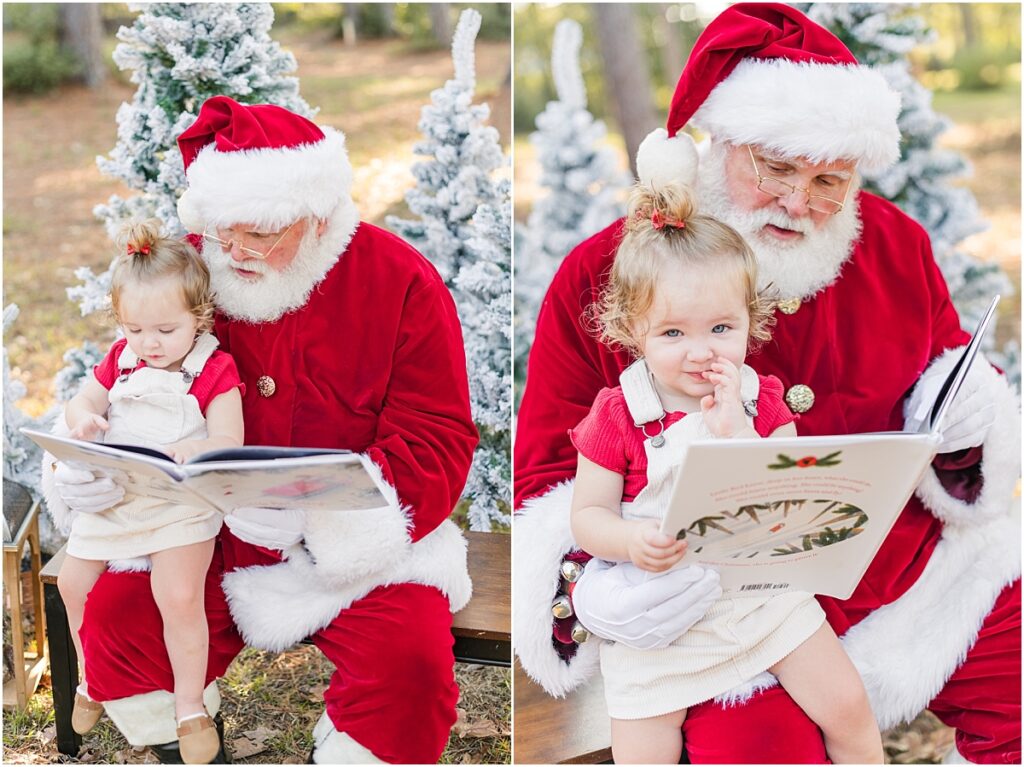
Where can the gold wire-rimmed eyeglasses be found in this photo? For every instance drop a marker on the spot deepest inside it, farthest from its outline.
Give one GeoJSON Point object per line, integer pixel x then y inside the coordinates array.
{"type": "Point", "coordinates": [235, 240]}
{"type": "Point", "coordinates": [776, 187]}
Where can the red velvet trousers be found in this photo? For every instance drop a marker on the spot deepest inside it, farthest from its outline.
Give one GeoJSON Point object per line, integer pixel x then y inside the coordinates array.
{"type": "Point", "coordinates": [981, 700]}
{"type": "Point", "coordinates": [393, 690]}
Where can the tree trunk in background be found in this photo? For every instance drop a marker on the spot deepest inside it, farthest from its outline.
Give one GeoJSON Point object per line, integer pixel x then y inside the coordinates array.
{"type": "Point", "coordinates": [349, 22]}
{"type": "Point", "coordinates": [626, 74]}
{"type": "Point", "coordinates": [440, 23]}
{"type": "Point", "coordinates": [969, 27]}
{"type": "Point", "coordinates": [672, 57]}
{"type": "Point", "coordinates": [81, 33]}
{"type": "Point", "coordinates": [387, 12]}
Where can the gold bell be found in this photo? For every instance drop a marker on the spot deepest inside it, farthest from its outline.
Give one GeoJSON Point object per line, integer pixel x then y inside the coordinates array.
{"type": "Point", "coordinates": [789, 306]}
{"type": "Point", "coordinates": [800, 398]}
{"type": "Point", "coordinates": [579, 634]}
{"type": "Point", "coordinates": [561, 607]}
{"type": "Point", "coordinates": [265, 386]}
{"type": "Point", "coordinates": [571, 571]}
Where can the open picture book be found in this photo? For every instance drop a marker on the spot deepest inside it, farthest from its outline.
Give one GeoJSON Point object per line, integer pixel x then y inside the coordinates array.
{"type": "Point", "coordinates": [270, 477]}
{"type": "Point", "coordinates": [804, 513]}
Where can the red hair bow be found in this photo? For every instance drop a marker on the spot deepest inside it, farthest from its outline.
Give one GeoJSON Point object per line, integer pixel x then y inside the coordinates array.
{"type": "Point", "coordinates": [133, 251]}
{"type": "Point", "coordinates": [659, 221]}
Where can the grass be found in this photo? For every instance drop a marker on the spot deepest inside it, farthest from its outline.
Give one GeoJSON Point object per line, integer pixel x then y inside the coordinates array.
{"type": "Point", "coordinates": [270, 704]}
{"type": "Point", "coordinates": [972, 106]}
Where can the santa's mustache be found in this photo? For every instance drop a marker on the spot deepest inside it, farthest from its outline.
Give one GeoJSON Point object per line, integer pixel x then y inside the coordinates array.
{"type": "Point", "coordinates": [781, 219]}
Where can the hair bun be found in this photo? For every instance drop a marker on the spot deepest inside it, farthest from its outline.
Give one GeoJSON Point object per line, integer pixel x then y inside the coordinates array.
{"type": "Point", "coordinates": [138, 238]}
{"type": "Point", "coordinates": [669, 206]}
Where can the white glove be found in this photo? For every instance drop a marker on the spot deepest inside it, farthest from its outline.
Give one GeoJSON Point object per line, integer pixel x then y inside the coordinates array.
{"type": "Point", "coordinates": [970, 415]}
{"type": "Point", "coordinates": [639, 609]}
{"type": "Point", "coordinates": [269, 528]}
{"type": "Point", "coordinates": [84, 491]}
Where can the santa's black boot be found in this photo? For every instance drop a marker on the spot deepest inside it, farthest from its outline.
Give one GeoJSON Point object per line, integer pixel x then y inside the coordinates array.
{"type": "Point", "coordinates": [168, 753]}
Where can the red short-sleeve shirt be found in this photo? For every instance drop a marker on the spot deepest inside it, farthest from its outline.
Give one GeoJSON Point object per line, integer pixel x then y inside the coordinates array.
{"type": "Point", "coordinates": [608, 437]}
{"type": "Point", "coordinates": [219, 375]}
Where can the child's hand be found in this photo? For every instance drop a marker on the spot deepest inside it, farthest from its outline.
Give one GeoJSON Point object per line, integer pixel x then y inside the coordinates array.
{"type": "Point", "coordinates": [182, 451]}
{"type": "Point", "coordinates": [723, 411]}
{"type": "Point", "coordinates": [652, 550]}
{"type": "Point", "coordinates": [90, 427]}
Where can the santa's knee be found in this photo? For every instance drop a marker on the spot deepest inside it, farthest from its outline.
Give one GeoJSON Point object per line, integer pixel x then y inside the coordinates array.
{"type": "Point", "coordinates": [419, 664]}
{"type": "Point", "coordinates": [105, 606]}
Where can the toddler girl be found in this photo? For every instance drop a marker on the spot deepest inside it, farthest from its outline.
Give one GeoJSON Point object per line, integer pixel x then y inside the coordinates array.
{"type": "Point", "coordinates": [683, 298]}
{"type": "Point", "coordinates": [166, 386]}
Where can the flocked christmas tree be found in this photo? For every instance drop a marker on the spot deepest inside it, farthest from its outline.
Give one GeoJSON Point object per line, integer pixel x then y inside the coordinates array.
{"type": "Point", "coordinates": [483, 290]}
{"type": "Point", "coordinates": [583, 181]}
{"type": "Point", "coordinates": [464, 229]}
{"type": "Point", "coordinates": [464, 153]}
{"type": "Point", "coordinates": [21, 455]}
{"type": "Point", "coordinates": [880, 35]}
{"type": "Point", "coordinates": [180, 54]}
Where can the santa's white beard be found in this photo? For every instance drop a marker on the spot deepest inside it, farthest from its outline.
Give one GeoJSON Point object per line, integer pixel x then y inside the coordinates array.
{"type": "Point", "coordinates": [796, 269]}
{"type": "Point", "coordinates": [275, 293]}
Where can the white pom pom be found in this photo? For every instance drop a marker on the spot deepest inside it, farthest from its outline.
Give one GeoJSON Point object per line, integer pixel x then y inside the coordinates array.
{"type": "Point", "coordinates": [661, 160]}
{"type": "Point", "coordinates": [189, 214]}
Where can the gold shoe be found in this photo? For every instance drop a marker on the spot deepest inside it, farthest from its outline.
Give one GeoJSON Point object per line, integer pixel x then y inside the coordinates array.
{"type": "Point", "coordinates": [85, 714]}
{"type": "Point", "coordinates": [198, 741]}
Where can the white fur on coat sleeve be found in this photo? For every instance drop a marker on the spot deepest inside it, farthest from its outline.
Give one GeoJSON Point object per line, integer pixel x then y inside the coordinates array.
{"type": "Point", "coordinates": [541, 539]}
{"type": "Point", "coordinates": [60, 514]}
{"type": "Point", "coordinates": [346, 554]}
{"type": "Point", "coordinates": [350, 545]}
{"type": "Point", "coordinates": [1000, 462]}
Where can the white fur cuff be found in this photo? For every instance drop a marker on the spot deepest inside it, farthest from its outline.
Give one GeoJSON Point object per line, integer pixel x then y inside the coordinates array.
{"type": "Point", "coordinates": [1000, 462]}
{"type": "Point", "coordinates": [278, 605]}
{"type": "Point", "coordinates": [148, 719]}
{"type": "Point", "coordinates": [542, 537]}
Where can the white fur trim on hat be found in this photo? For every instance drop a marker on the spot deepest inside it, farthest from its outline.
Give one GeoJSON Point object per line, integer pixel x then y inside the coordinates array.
{"type": "Point", "coordinates": [816, 111]}
{"type": "Point", "coordinates": [1000, 458]}
{"type": "Point", "coordinates": [148, 719]}
{"type": "Point", "coordinates": [661, 160]}
{"type": "Point", "coordinates": [267, 188]}
{"type": "Point", "coordinates": [542, 538]}
{"type": "Point", "coordinates": [346, 555]}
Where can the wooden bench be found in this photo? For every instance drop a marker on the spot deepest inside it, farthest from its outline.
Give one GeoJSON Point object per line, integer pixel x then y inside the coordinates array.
{"type": "Point", "coordinates": [482, 630]}
{"type": "Point", "coordinates": [570, 730]}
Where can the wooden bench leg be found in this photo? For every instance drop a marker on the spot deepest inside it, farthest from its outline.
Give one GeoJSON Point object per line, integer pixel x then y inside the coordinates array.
{"type": "Point", "coordinates": [63, 670]}
{"type": "Point", "coordinates": [485, 652]}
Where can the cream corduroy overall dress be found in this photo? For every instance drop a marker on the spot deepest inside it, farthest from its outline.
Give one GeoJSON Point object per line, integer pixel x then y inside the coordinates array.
{"type": "Point", "coordinates": [150, 407]}
{"type": "Point", "coordinates": [737, 638]}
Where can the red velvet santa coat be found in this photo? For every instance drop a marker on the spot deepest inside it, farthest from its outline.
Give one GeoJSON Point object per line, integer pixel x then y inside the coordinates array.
{"type": "Point", "coordinates": [861, 345]}
{"type": "Point", "coordinates": [373, 363]}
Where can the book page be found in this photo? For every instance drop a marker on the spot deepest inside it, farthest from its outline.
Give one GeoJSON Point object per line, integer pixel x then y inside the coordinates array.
{"type": "Point", "coordinates": [335, 481]}
{"type": "Point", "coordinates": [800, 513]}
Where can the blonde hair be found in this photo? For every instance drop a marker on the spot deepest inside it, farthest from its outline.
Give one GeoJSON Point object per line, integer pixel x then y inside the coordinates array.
{"type": "Point", "coordinates": [663, 227]}
{"type": "Point", "coordinates": [147, 257]}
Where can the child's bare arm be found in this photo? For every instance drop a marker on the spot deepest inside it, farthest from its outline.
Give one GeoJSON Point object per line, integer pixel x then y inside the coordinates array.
{"type": "Point", "coordinates": [86, 412]}
{"type": "Point", "coordinates": [223, 426]}
{"type": "Point", "coordinates": [786, 430]}
{"type": "Point", "coordinates": [599, 529]}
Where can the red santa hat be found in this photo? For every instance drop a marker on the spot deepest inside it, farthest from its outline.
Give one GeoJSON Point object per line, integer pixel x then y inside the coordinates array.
{"type": "Point", "coordinates": [765, 74]}
{"type": "Point", "coordinates": [259, 164]}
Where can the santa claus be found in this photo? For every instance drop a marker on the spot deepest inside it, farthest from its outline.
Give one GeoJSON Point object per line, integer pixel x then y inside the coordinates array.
{"type": "Point", "coordinates": [345, 337]}
{"type": "Point", "coordinates": [865, 331]}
